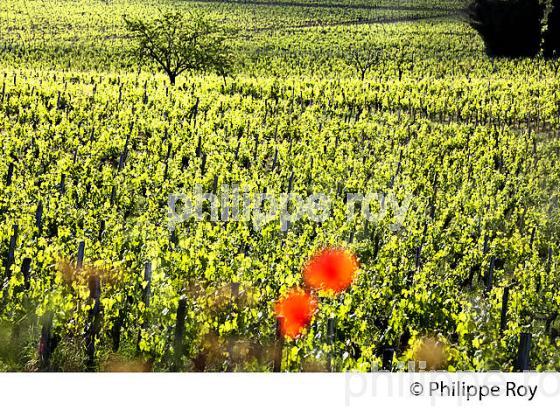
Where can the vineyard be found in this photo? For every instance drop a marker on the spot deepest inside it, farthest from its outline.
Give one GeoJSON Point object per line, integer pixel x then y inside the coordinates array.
{"type": "Point", "coordinates": [94, 144]}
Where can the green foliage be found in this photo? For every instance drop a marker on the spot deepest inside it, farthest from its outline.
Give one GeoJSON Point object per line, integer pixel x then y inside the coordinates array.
{"type": "Point", "coordinates": [473, 141]}
{"type": "Point", "coordinates": [177, 43]}
{"type": "Point", "coordinates": [509, 28]}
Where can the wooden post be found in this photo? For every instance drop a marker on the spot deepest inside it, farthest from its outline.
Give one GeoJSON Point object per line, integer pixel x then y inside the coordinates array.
{"type": "Point", "coordinates": [169, 148]}
{"type": "Point", "coordinates": [387, 359]}
{"type": "Point", "coordinates": [11, 252]}
{"type": "Point", "coordinates": [173, 238]}
{"type": "Point", "coordinates": [330, 342]}
{"type": "Point", "coordinates": [417, 257]}
{"type": "Point", "coordinates": [124, 154]}
{"type": "Point", "coordinates": [10, 174]}
{"type": "Point", "coordinates": [118, 324]}
{"type": "Point", "coordinates": [523, 354]}
{"type": "Point", "coordinates": [39, 217]}
{"type": "Point", "coordinates": [147, 292]}
{"type": "Point", "coordinates": [62, 185]}
{"type": "Point", "coordinates": [275, 160]}
{"type": "Point", "coordinates": [490, 274]}
{"type": "Point", "coordinates": [179, 333]}
{"type": "Point", "coordinates": [93, 325]}
{"type": "Point", "coordinates": [503, 317]}
{"type": "Point", "coordinates": [146, 296]}
{"type": "Point", "coordinates": [80, 259]}
{"type": "Point", "coordinates": [25, 269]}
{"type": "Point", "coordinates": [113, 195]}
{"type": "Point", "coordinates": [290, 182]}
{"type": "Point", "coordinates": [485, 246]}
{"type": "Point", "coordinates": [46, 345]}
{"type": "Point", "coordinates": [234, 298]}
{"type": "Point", "coordinates": [549, 260]}
{"type": "Point", "coordinates": [116, 330]}
{"type": "Point", "coordinates": [215, 185]}
{"type": "Point", "coordinates": [101, 231]}
{"type": "Point", "coordinates": [278, 346]}
{"type": "Point", "coordinates": [198, 150]}
{"type": "Point", "coordinates": [194, 111]}
{"type": "Point", "coordinates": [255, 155]}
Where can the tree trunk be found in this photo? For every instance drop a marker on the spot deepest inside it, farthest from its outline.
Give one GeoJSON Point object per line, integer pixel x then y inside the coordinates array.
{"type": "Point", "coordinates": [552, 35]}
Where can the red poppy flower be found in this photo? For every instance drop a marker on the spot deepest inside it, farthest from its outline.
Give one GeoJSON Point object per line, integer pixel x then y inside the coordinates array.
{"type": "Point", "coordinates": [331, 269]}
{"type": "Point", "coordinates": [296, 309]}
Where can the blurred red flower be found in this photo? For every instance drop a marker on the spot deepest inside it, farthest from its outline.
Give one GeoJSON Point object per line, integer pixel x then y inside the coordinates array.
{"type": "Point", "coordinates": [331, 269]}
{"type": "Point", "coordinates": [296, 310]}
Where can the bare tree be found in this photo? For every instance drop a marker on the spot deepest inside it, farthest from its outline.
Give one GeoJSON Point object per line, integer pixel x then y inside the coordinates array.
{"type": "Point", "coordinates": [363, 58]}
{"type": "Point", "coordinates": [402, 59]}
{"type": "Point", "coordinates": [178, 42]}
